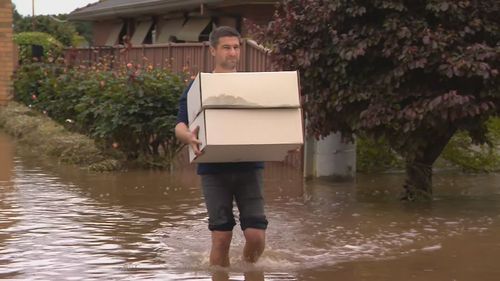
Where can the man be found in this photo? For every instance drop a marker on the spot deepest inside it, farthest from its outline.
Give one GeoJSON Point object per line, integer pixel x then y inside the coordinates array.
{"type": "Point", "coordinates": [223, 182]}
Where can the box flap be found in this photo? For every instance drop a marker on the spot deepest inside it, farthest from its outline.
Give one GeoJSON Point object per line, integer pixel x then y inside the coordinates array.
{"type": "Point", "coordinates": [244, 90]}
{"type": "Point", "coordinates": [245, 153]}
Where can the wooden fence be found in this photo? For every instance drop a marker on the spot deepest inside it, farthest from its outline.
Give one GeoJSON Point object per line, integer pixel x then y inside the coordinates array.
{"type": "Point", "coordinates": [176, 56]}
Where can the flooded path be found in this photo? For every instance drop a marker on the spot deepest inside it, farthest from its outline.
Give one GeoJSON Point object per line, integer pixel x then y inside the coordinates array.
{"type": "Point", "coordinates": [61, 223]}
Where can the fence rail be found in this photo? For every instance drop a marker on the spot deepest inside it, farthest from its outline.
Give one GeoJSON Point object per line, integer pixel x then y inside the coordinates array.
{"type": "Point", "coordinates": [176, 56]}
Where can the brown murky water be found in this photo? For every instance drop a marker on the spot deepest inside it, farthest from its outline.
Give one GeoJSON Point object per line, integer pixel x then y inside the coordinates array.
{"type": "Point", "coordinates": [61, 223]}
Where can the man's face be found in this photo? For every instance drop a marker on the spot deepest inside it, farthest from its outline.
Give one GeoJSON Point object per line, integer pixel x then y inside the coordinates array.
{"type": "Point", "coordinates": [226, 53]}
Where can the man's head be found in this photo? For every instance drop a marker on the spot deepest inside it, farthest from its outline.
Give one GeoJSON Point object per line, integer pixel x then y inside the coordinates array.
{"type": "Point", "coordinates": [225, 47]}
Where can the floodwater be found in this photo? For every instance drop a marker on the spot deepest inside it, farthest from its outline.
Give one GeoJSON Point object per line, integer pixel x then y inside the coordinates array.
{"type": "Point", "coordinates": [61, 223]}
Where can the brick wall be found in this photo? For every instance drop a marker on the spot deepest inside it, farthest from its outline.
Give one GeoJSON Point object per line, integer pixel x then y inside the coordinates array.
{"type": "Point", "coordinates": [6, 51]}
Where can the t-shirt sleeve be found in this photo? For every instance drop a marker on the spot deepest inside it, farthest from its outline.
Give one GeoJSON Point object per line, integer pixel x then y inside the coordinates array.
{"type": "Point", "coordinates": [182, 114]}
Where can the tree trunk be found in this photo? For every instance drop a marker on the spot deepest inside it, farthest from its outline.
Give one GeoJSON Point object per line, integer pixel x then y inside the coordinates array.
{"type": "Point", "coordinates": [418, 185]}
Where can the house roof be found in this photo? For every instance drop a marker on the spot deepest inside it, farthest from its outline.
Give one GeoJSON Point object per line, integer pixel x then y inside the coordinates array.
{"type": "Point", "coordinates": [106, 9]}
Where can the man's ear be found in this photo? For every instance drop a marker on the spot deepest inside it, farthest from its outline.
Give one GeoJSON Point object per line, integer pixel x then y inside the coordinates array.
{"type": "Point", "coordinates": [212, 51]}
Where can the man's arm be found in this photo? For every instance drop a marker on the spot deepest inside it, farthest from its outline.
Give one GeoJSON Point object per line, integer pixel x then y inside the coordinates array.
{"type": "Point", "coordinates": [183, 134]}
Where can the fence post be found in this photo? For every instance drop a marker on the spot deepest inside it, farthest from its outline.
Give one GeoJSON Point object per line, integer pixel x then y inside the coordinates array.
{"type": "Point", "coordinates": [203, 58]}
{"type": "Point", "coordinates": [246, 53]}
{"type": "Point", "coordinates": [170, 61]}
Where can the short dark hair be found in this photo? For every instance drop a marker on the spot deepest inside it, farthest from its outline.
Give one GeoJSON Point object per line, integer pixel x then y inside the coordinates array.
{"type": "Point", "coordinates": [222, 31]}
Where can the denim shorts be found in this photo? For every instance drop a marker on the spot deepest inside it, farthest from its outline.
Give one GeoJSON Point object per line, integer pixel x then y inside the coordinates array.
{"type": "Point", "coordinates": [245, 188]}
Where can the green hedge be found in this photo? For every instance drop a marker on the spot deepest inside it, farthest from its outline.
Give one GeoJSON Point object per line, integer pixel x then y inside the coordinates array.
{"type": "Point", "coordinates": [51, 47]}
{"type": "Point", "coordinates": [472, 157]}
{"type": "Point", "coordinates": [132, 109]}
{"type": "Point", "coordinates": [460, 152]}
{"type": "Point", "coordinates": [41, 136]}
{"type": "Point", "coordinates": [376, 156]}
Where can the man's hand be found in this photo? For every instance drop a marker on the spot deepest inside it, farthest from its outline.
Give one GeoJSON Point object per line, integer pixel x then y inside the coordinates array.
{"type": "Point", "coordinates": [194, 142]}
{"type": "Point", "coordinates": [183, 133]}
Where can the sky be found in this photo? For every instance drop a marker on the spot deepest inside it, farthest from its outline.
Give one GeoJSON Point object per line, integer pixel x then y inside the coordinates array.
{"type": "Point", "coordinates": [50, 7]}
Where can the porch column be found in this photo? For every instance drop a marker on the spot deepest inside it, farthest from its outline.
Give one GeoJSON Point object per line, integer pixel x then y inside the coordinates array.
{"type": "Point", "coordinates": [330, 157]}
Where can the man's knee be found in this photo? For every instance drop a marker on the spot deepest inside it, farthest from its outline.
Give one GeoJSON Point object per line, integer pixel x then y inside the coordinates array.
{"type": "Point", "coordinates": [228, 226]}
{"type": "Point", "coordinates": [254, 222]}
{"type": "Point", "coordinates": [255, 236]}
{"type": "Point", "coordinates": [221, 239]}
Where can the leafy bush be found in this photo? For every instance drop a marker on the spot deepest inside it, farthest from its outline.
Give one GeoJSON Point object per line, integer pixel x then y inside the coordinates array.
{"type": "Point", "coordinates": [472, 157]}
{"type": "Point", "coordinates": [375, 156]}
{"type": "Point", "coordinates": [132, 109]}
{"type": "Point", "coordinates": [51, 46]}
{"type": "Point", "coordinates": [460, 152]}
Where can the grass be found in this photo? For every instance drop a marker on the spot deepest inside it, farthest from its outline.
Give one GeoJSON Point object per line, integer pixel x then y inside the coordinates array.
{"type": "Point", "coordinates": [50, 139]}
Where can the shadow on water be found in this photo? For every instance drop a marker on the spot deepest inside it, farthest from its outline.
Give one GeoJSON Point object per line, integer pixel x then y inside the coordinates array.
{"type": "Point", "coordinates": [58, 222]}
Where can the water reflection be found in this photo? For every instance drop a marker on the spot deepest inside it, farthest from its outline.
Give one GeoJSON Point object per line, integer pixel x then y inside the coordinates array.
{"type": "Point", "coordinates": [8, 216]}
{"type": "Point", "coordinates": [6, 161]}
{"type": "Point", "coordinates": [59, 222]}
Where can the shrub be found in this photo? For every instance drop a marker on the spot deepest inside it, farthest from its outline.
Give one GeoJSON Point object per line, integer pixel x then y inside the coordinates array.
{"type": "Point", "coordinates": [52, 48]}
{"type": "Point", "coordinates": [132, 109]}
{"type": "Point", "coordinates": [473, 157]}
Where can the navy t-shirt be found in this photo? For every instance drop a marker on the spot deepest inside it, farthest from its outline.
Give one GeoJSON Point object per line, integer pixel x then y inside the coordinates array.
{"type": "Point", "coordinates": [213, 168]}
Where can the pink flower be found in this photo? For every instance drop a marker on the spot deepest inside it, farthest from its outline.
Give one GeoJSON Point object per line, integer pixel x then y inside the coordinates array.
{"type": "Point", "coordinates": [33, 97]}
{"type": "Point", "coordinates": [129, 65]}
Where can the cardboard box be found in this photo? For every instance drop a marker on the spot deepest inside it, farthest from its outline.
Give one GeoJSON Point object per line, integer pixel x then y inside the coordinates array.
{"type": "Point", "coordinates": [240, 135]}
{"type": "Point", "coordinates": [243, 90]}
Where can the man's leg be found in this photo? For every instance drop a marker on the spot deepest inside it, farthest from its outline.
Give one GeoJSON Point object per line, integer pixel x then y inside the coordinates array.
{"type": "Point", "coordinates": [219, 201]}
{"type": "Point", "coordinates": [220, 275]}
{"type": "Point", "coordinates": [221, 242]}
{"type": "Point", "coordinates": [254, 276]}
{"type": "Point", "coordinates": [255, 244]}
{"type": "Point", "coordinates": [250, 201]}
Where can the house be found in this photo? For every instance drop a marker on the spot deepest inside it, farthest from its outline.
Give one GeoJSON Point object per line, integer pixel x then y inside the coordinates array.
{"type": "Point", "coordinates": [163, 21]}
